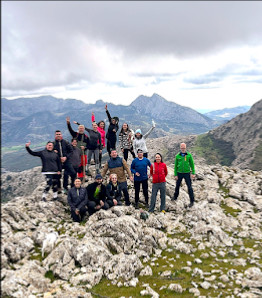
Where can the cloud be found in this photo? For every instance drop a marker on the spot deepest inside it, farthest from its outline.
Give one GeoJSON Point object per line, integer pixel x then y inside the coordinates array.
{"type": "Point", "coordinates": [97, 48]}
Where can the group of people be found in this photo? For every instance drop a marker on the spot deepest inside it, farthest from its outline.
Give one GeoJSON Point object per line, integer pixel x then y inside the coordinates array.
{"type": "Point", "coordinates": [75, 159]}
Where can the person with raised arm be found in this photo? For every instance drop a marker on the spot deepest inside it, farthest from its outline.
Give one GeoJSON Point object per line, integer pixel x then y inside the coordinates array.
{"type": "Point", "coordinates": [51, 167]}
{"type": "Point", "coordinates": [111, 132]}
{"type": "Point", "coordinates": [82, 143]}
{"type": "Point", "coordinates": [140, 140]}
{"type": "Point", "coordinates": [95, 146]}
{"type": "Point", "coordinates": [101, 128]}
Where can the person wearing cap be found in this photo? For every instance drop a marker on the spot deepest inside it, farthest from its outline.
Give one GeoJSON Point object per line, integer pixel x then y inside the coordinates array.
{"type": "Point", "coordinates": [96, 193]}
{"type": "Point", "coordinates": [139, 169]}
{"type": "Point", "coordinates": [184, 165]}
{"type": "Point", "coordinates": [140, 140]}
{"type": "Point", "coordinates": [117, 165]}
{"type": "Point", "coordinates": [77, 200]}
{"type": "Point", "coordinates": [111, 132]}
{"type": "Point", "coordinates": [51, 167]}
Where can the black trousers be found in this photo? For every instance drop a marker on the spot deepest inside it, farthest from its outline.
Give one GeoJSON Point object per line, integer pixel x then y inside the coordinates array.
{"type": "Point", "coordinates": [111, 144]}
{"type": "Point", "coordinates": [144, 187]}
{"type": "Point", "coordinates": [126, 153]}
{"type": "Point", "coordinates": [91, 205]}
{"type": "Point", "coordinates": [81, 215]}
{"type": "Point", "coordinates": [187, 178]}
{"type": "Point", "coordinates": [111, 203]}
{"type": "Point", "coordinates": [51, 181]}
{"type": "Point", "coordinates": [69, 171]}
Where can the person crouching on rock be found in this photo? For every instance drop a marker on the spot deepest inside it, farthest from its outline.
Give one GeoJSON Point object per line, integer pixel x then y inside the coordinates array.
{"type": "Point", "coordinates": [96, 196]}
{"type": "Point", "coordinates": [158, 171]}
{"type": "Point", "coordinates": [77, 200]}
{"type": "Point", "coordinates": [51, 167]}
{"type": "Point", "coordinates": [113, 192]}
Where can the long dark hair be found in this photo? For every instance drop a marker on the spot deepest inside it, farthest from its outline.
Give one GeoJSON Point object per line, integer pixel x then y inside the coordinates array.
{"type": "Point", "coordinates": [101, 122]}
{"type": "Point", "coordinates": [160, 156]}
{"type": "Point", "coordinates": [122, 130]}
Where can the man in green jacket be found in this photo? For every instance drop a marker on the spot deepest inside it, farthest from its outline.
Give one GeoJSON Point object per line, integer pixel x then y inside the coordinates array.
{"type": "Point", "coordinates": [184, 164]}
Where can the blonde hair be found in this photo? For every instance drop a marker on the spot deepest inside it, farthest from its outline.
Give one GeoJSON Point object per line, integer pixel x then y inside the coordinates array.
{"type": "Point", "coordinates": [112, 175]}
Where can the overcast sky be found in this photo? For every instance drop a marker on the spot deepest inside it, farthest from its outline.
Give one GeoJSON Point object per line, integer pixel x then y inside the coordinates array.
{"type": "Point", "coordinates": [205, 55]}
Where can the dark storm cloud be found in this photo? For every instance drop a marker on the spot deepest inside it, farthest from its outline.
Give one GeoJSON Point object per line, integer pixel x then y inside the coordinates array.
{"type": "Point", "coordinates": [50, 43]}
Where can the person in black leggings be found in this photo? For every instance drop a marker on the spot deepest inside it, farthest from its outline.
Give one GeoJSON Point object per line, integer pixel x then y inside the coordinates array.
{"type": "Point", "coordinates": [111, 132]}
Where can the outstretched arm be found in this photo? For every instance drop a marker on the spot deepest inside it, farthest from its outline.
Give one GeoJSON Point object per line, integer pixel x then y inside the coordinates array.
{"type": "Point", "coordinates": [149, 132]}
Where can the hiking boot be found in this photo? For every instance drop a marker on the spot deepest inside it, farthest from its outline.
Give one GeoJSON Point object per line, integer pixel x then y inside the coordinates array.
{"type": "Point", "coordinates": [136, 206]}
{"type": "Point", "coordinates": [146, 205]}
{"type": "Point", "coordinates": [65, 191]}
{"type": "Point", "coordinates": [191, 204]}
{"type": "Point", "coordinates": [173, 198]}
{"type": "Point", "coordinates": [163, 211]}
{"type": "Point", "coordinates": [59, 190]}
{"type": "Point", "coordinates": [44, 199]}
{"type": "Point", "coordinates": [128, 203]}
{"type": "Point", "coordinates": [97, 171]}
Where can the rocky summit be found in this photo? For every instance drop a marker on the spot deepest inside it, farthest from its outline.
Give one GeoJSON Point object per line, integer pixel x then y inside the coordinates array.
{"type": "Point", "coordinates": [213, 249]}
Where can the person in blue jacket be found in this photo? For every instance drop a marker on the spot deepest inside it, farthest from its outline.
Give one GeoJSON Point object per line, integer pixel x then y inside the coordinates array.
{"type": "Point", "coordinates": [139, 169]}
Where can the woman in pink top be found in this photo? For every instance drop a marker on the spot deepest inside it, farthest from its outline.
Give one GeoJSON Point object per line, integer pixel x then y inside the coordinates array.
{"type": "Point", "coordinates": [101, 129]}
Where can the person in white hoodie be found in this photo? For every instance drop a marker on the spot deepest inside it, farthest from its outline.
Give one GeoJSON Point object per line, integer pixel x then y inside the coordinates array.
{"type": "Point", "coordinates": [140, 140]}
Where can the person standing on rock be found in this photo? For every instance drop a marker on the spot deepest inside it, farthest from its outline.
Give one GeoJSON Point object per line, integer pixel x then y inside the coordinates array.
{"type": "Point", "coordinates": [77, 200]}
{"type": "Point", "coordinates": [95, 146]}
{"type": "Point", "coordinates": [51, 167]}
{"type": "Point", "coordinates": [111, 132]}
{"type": "Point", "coordinates": [158, 170]}
{"type": "Point", "coordinates": [75, 163]}
{"type": "Point", "coordinates": [64, 150]}
{"type": "Point", "coordinates": [139, 169]}
{"type": "Point", "coordinates": [113, 192]}
{"type": "Point", "coordinates": [117, 165]}
{"type": "Point", "coordinates": [96, 192]}
{"type": "Point", "coordinates": [126, 138]}
{"type": "Point", "coordinates": [82, 143]}
{"type": "Point", "coordinates": [101, 128]}
{"type": "Point", "coordinates": [184, 164]}
{"type": "Point", "coordinates": [140, 140]}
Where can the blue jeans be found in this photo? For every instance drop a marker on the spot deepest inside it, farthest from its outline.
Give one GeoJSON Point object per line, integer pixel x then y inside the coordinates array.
{"type": "Point", "coordinates": [162, 187]}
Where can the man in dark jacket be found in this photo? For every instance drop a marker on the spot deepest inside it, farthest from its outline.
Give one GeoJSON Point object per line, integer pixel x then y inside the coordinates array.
{"type": "Point", "coordinates": [74, 162]}
{"type": "Point", "coordinates": [77, 200]}
{"type": "Point", "coordinates": [96, 195]}
{"type": "Point", "coordinates": [64, 150]}
{"type": "Point", "coordinates": [51, 167]}
{"type": "Point", "coordinates": [82, 143]}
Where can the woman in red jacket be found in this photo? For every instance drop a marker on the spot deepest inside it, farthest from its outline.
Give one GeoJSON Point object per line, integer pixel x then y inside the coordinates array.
{"type": "Point", "coordinates": [158, 171]}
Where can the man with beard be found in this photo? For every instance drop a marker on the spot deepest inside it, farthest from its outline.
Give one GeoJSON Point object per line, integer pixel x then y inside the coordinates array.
{"type": "Point", "coordinates": [118, 165]}
{"type": "Point", "coordinates": [96, 196]}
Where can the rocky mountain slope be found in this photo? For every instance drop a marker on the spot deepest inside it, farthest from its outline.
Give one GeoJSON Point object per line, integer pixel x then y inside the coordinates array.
{"type": "Point", "coordinates": [210, 250]}
{"type": "Point", "coordinates": [227, 113]}
{"type": "Point", "coordinates": [238, 142]}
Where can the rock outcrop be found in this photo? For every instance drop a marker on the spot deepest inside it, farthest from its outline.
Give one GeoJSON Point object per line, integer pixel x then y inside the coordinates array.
{"type": "Point", "coordinates": [211, 249]}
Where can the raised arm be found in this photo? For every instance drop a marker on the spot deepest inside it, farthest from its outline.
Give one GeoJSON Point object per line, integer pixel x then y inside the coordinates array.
{"type": "Point", "coordinates": [38, 153]}
{"type": "Point", "coordinates": [149, 132]}
{"type": "Point", "coordinates": [72, 132]}
{"type": "Point", "coordinates": [108, 114]}
{"type": "Point", "coordinates": [93, 117]}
